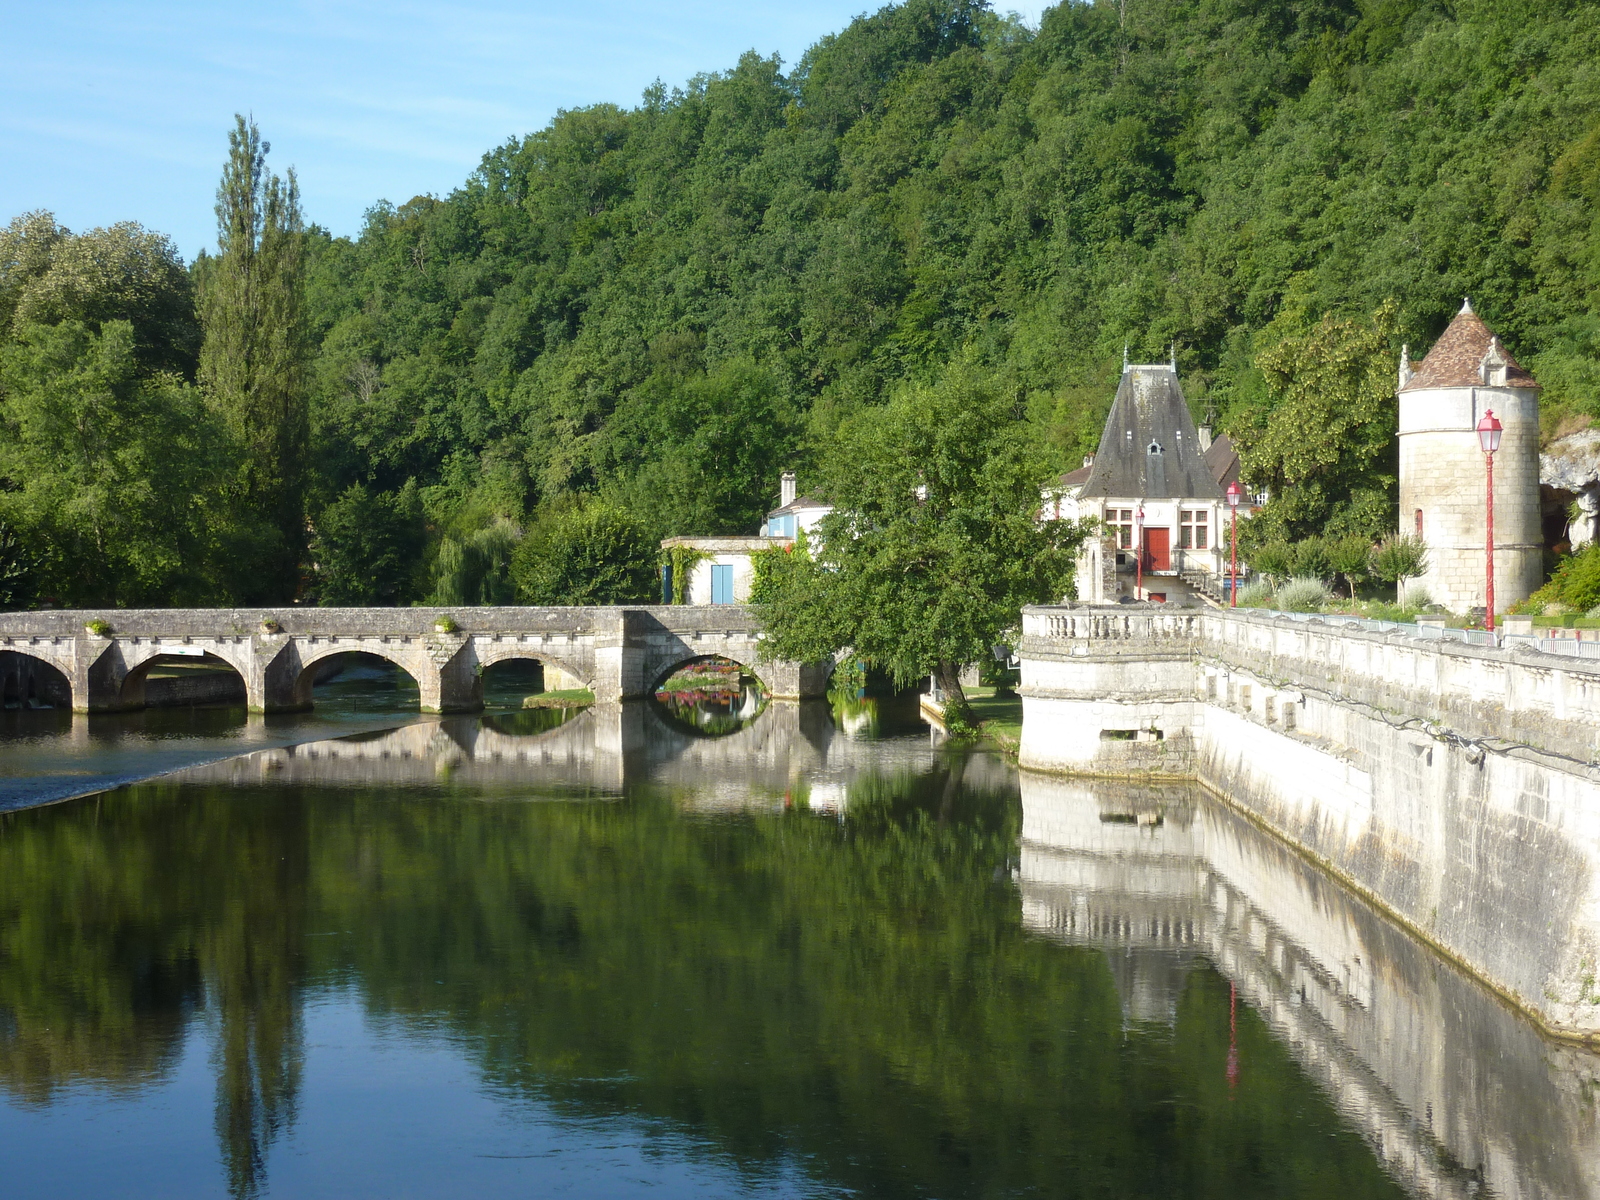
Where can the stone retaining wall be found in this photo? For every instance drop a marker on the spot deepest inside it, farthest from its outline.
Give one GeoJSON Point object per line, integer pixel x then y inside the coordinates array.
{"type": "Point", "coordinates": [1455, 785]}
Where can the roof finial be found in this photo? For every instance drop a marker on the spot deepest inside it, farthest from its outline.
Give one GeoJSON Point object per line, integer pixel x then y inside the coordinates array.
{"type": "Point", "coordinates": [1124, 355]}
{"type": "Point", "coordinates": [1466, 307]}
{"type": "Point", "coordinates": [1405, 365]}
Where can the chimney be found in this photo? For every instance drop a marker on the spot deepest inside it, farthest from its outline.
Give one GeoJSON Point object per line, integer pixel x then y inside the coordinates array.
{"type": "Point", "coordinates": [1088, 460]}
{"type": "Point", "coordinates": [786, 489]}
{"type": "Point", "coordinates": [1204, 434]}
{"type": "Point", "coordinates": [1406, 373]}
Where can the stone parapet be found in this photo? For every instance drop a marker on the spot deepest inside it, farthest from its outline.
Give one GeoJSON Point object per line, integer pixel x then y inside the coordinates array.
{"type": "Point", "coordinates": [103, 657]}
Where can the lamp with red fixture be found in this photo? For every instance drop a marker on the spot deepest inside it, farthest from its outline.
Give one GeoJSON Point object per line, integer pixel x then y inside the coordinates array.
{"type": "Point", "coordinates": [1234, 494]}
{"type": "Point", "coordinates": [1489, 439]}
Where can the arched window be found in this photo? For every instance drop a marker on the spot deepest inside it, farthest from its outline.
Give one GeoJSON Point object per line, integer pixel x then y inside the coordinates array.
{"type": "Point", "coordinates": [1419, 522]}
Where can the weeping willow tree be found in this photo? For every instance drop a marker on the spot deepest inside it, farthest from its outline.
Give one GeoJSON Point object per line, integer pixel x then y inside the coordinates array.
{"type": "Point", "coordinates": [254, 359]}
{"type": "Point", "coordinates": [476, 568]}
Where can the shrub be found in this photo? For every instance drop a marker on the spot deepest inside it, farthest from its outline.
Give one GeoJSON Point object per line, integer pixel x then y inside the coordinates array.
{"type": "Point", "coordinates": [447, 624]}
{"type": "Point", "coordinates": [1350, 557]}
{"type": "Point", "coordinates": [1399, 557]}
{"type": "Point", "coordinates": [1418, 597]}
{"type": "Point", "coordinates": [1579, 579]}
{"type": "Point", "coordinates": [98, 627]}
{"type": "Point", "coordinates": [1275, 560]}
{"type": "Point", "coordinates": [1256, 594]}
{"type": "Point", "coordinates": [1310, 559]}
{"type": "Point", "coordinates": [1303, 593]}
{"type": "Point", "coordinates": [588, 553]}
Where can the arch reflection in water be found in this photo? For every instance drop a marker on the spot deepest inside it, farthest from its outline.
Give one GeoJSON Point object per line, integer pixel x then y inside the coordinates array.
{"type": "Point", "coordinates": [1457, 1094]}
{"type": "Point", "coordinates": [712, 696]}
{"type": "Point", "coordinates": [792, 754]}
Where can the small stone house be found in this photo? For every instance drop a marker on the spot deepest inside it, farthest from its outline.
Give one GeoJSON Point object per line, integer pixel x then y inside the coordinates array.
{"type": "Point", "coordinates": [795, 514]}
{"type": "Point", "coordinates": [724, 571]}
{"type": "Point", "coordinates": [1157, 485]}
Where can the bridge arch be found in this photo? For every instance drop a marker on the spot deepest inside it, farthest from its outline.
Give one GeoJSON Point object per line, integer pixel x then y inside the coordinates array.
{"type": "Point", "coordinates": [32, 681]}
{"type": "Point", "coordinates": [668, 665]}
{"type": "Point", "coordinates": [131, 690]}
{"type": "Point", "coordinates": [491, 654]}
{"type": "Point", "coordinates": [416, 665]}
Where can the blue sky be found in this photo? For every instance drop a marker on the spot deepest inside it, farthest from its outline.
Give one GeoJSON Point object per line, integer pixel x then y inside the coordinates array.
{"type": "Point", "coordinates": [116, 111]}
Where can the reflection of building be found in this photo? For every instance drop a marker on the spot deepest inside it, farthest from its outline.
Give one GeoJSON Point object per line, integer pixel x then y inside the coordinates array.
{"type": "Point", "coordinates": [1456, 1094]}
{"type": "Point", "coordinates": [1156, 484]}
{"type": "Point", "coordinates": [1442, 477]}
{"type": "Point", "coordinates": [723, 571]}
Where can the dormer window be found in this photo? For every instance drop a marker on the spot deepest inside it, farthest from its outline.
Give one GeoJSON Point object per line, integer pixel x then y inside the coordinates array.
{"type": "Point", "coordinates": [1492, 368]}
{"type": "Point", "coordinates": [1155, 448]}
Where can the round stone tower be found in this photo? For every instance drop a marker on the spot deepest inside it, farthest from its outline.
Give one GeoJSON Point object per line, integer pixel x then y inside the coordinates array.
{"type": "Point", "coordinates": [1442, 477]}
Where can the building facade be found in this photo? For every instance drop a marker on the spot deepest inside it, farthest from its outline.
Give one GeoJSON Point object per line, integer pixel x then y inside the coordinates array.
{"type": "Point", "coordinates": [1443, 480]}
{"type": "Point", "coordinates": [724, 569]}
{"type": "Point", "coordinates": [1156, 484]}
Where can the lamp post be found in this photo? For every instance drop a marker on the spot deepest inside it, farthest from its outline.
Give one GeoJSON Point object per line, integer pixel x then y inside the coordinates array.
{"type": "Point", "coordinates": [1233, 493]}
{"type": "Point", "coordinates": [1489, 439]}
{"type": "Point", "coordinates": [1138, 552]}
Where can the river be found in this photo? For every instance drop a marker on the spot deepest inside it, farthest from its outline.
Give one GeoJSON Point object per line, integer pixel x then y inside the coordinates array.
{"type": "Point", "coordinates": [606, 954]}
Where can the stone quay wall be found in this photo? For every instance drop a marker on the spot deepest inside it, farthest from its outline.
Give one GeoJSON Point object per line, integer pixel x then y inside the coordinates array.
{"type": "Point", "coordinates": [616, 652]}
{"type": "Point", "coordinates": [1456, 786]}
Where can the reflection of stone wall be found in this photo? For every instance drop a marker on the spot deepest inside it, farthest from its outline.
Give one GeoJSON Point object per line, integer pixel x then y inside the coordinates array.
{"type": "Point", "coordinates": [792, 751]}
{"type": "Point", "coordinates": [1457, 1094]}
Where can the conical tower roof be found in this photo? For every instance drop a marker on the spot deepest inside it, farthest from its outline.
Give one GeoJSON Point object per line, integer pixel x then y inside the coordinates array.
{"type": "Point", "coordinates": [1150, 447]}
{"type": "Point", "coordinates": [1458, 358]}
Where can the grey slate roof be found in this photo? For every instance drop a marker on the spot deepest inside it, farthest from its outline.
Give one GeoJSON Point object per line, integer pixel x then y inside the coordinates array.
{"type": "Point", "coordinates": [1222, 460]}
{"type": "Point", "coordinates": [1150, 449]}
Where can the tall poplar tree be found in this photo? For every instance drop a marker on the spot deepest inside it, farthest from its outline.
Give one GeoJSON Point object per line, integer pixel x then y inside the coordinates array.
{"type": "Point", "coordinates": [254, 362]}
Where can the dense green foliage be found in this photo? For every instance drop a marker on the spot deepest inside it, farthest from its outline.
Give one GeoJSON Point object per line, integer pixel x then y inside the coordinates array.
{"type": "Point", "coordinates": [112, 469]}
{"type": "Point", "coordinates": [666, 305]}
{"type": "Point", "coordinates": [586, 553]}
{"type": "Point", "coordinates": [934, 545]}
{"type": "Point", "coordinates": [1573, 588]}
{"type": "Point", "coordinates": [368, 547]}
{"type": "Point", "coordinates": [853, 1000]}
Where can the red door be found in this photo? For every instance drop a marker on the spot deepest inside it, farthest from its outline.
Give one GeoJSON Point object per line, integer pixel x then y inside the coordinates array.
{"type": "Point", "coordinates": [1158, 549]}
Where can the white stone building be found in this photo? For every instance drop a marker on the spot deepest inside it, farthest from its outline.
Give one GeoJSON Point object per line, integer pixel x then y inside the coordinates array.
{"type": "Point", "coordinates": [1443, 481]}
{"type": "Point", "coordinates": [723, 571]}
{"type": "Point", "coordinates": [1157, 485]}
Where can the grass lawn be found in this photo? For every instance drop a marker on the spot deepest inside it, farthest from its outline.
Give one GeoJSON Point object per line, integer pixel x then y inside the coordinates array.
{"type": "Point", "coordinates": [1000, 717]}
{"type": "Point", "coordinates": [572, 698]}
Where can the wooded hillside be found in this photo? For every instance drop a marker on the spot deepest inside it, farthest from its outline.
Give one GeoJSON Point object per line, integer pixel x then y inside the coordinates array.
{"type": "Point", "coordinates": [666, 305]}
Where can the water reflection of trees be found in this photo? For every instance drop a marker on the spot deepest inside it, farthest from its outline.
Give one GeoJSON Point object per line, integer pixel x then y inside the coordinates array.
{"type": "Point", "coordinates": [858, 993]}
{"type": "Point", "coordinates": [110, 943]}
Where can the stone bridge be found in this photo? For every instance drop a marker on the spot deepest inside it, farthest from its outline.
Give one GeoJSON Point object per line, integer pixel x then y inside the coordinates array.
{"type": "Point", "coordinates": [98, 660]}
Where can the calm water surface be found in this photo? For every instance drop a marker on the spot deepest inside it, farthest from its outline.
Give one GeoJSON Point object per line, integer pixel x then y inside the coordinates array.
{"type": "Point", "coordinates": [610, 955]}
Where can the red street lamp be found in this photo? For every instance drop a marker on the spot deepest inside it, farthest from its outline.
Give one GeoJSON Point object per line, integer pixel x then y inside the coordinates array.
{"type": "Point", "coordinates": [1489, 439]}
{"type": "Point", "coordinates": [1234, 493]}
{"type": "Point", "coordinates": [1138, 553]}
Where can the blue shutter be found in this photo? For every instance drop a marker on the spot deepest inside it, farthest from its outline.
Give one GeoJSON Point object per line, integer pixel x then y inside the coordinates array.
{"type": "Point", "coordinates": [722, 583]}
